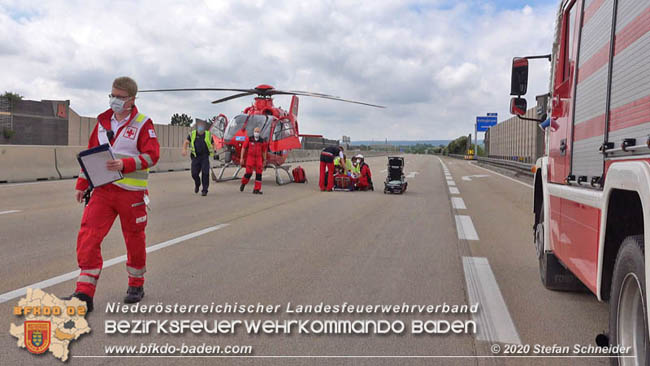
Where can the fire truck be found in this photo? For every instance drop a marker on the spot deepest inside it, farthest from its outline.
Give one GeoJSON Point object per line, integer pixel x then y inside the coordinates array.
{"type": "Point", "coordinates": [592, 186]}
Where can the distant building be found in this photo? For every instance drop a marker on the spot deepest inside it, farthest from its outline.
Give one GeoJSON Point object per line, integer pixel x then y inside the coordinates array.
{"type": "Point", "coordinates": [30, 122]}
{"type": "Point", "coordinates": [53, 122]}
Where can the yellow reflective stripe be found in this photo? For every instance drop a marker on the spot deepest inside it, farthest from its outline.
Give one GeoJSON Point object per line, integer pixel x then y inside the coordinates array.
{"type": "Point", "coordinates": [208, 142]}
{"type": "Point", "coordinates": [133, 182]}
{"type": "Point", "coordinates": [192, 139]}
{"type": "Point", "coordinates": [140, 117]}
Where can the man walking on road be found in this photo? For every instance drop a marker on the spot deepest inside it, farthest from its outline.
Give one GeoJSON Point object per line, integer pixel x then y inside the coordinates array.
{"type": "Point", "coordinates": [200, 143]}
{"type": "Point", "coordinates": [253, 157]}
{"type": "Point", "coordinates": [135, 145]}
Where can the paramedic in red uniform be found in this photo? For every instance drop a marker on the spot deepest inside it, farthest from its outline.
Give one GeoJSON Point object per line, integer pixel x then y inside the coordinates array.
{"type": "Point", "coordinates": [134, 143]}
{"type": "Point", "coordinates": [327, 163]}
{"type": "Point", "coordinates": [253, 157]}
{"type": "Point", "coordinates": [365, 177]}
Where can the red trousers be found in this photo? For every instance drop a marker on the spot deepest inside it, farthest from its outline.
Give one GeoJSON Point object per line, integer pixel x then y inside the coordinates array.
{"type": "Point", "coordinates": [258, 174]}
{"type": "Point", "coordinates": [105, 204]}
{"type": "Point", "coordinates": [330, 176]}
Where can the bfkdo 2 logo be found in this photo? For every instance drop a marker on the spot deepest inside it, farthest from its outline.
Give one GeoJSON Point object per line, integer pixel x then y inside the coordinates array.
{"type": "Point", "coordinates": [37, 335]}
{"type": "Point", "coordinates": [49, 324]}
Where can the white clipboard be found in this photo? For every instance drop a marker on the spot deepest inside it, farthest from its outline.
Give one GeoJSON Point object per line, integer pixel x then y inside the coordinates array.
{"type": "Point", "coordinates": [93, 163]}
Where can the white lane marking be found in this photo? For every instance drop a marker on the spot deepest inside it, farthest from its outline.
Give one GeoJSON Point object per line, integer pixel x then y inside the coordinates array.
{"type": "Point", "coordinates": [37, 182]}
{"type": "Point", "coordinates": [454, 190]}
{"type": "Point", "coordinates": [8, 212]}
{"type": "Point", "coordinates": [111, 262]}
{"type": "Point", "coordinates": [494, 323]}
{"type": "Point", "coordinates": [465, 228]}
{"type": "Point", "coordinates": [505, 176]}
{"type": "Point", "coordinates": [451, 182]}
{"type": "Point", "coordinates": [383, 171]}
{"type": "Point", "coordinates": [458, 203]}
{"type": "Point", "coordinates": [468, 178]}
{"type": "Point", "coordinates": [412, 174]}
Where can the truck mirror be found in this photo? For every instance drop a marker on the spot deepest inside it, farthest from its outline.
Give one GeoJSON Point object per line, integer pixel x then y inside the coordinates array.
{"type": "Point", "coordinates": [519, 80]}
{"type": "Point", "coordinates": [518, 106]}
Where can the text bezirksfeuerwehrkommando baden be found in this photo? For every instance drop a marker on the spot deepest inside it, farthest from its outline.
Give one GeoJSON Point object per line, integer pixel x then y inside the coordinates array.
{"type": "Point", "coordinates": [290, 308]}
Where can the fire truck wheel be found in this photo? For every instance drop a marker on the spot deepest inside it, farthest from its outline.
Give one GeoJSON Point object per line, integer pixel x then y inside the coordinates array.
{"type": "Point", "coordinates": [628, 324]}
{"type": "Point", "coordinates": [553, 274]}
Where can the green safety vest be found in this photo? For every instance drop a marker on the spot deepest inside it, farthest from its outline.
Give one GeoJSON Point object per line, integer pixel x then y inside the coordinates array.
{"type": "Point", "coordinates": [208, 142]}
{"type": "Point", "coordinates": [348, 163]}
{"type": "Point", "coordinates": [356, 169]}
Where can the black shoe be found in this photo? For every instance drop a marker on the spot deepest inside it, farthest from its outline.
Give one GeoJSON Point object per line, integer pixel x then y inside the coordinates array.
{"type": "Point", "coordinates": [257, 191]}
{"type": "Point", "coordinates": [241, 188]}
{"type": "Point", "coordinates": [134, 294]}
{"type": "Point", "coordinates": [83, 297]}
{"type": "Point", "coordinates": [204, 193]}
{"type": "Point", "coordinates": [196, 189]}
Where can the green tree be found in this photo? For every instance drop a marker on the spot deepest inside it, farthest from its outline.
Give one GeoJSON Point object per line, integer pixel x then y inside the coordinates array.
{"type": "Point", "coordinates": [457, 146]}
{"type": "Point", "coordinates": [13, 97]}
{"type": "Point", "coordinates": [181, 120]}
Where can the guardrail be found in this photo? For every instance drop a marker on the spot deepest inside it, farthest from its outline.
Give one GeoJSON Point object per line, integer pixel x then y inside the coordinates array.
{"type": "Point", "coordinates": [508, 164]}
{"type": "Point", "coordinates": [24, 163]}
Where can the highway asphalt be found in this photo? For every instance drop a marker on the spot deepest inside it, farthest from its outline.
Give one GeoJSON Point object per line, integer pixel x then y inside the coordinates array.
{"type": "Point", "coordinates": [299, 245]}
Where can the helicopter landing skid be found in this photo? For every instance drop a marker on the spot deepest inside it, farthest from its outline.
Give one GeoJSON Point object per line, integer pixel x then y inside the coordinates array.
{"type": "Point", "coordinates": [220, 178]}
{"type": "Point", "coordinates": [278, 178]}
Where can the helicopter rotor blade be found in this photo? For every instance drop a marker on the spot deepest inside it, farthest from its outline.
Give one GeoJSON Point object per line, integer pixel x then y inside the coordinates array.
{"type": "Point", "coordinates": [325, 96]}
{"type": "Point", "coordinates": [234, 96]}
{"type": "Point", "coordinates": [197, 89]}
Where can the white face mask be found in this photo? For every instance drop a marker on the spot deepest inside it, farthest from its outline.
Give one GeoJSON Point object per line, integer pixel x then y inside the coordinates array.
{"type": "Point", "coordinates": [117, 105]}
{"type": "Point", "coordinates": [256, 135]}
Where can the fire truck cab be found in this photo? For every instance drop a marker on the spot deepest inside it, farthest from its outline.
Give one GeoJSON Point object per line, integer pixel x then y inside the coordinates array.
{"type": "Point", "coordinates": [592, 187]}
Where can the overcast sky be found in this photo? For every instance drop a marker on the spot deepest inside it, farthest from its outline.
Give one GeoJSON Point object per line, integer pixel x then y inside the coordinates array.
{"type": "Point", "coordinates": [436, 64]}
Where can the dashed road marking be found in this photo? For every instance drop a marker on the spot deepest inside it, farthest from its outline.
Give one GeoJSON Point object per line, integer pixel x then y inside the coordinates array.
{"type": "Point", "coordinates": [8, 212]}
{"type": "Point", "coordinates": [494, 323]}
{"type": "Point", "coordinates": [465, 228]}
{"type": "Point", "coordinates": [458, 203]}
{"type": "Point", "coordinates": [451, 183]}
{"type": "Point", "coordinates": [454, 190]}
{"type": "Point", "coordinates": [111, 262]}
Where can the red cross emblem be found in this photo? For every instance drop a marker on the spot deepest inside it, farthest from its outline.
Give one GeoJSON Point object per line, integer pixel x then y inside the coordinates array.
{"type": "Point", "coordinates": [130, 132]}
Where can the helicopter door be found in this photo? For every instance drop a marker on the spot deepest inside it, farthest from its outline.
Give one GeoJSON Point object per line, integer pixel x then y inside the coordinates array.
{"type": "Point", "coordinates": [285, 136]}
{"type": "Point", "coordinates": [218, 130]}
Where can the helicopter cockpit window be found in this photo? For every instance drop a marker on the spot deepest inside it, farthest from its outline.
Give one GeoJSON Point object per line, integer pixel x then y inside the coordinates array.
{"type": "Point", "coordinates": [235, 125]}
{"type": "Point", "coordinates": [264, 122]}
{"type": "Point", "coordinates": [283, 129]}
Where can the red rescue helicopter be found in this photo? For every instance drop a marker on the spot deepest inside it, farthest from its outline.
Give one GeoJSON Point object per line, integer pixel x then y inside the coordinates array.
{"type": "Point", "coordinates": [277, 126]}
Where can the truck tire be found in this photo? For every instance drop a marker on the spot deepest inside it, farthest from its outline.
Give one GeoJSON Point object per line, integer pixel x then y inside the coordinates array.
{"type": "Point", "coordinates": [553, 274]}
{"type": "Point", "coordinates": [628, 323]}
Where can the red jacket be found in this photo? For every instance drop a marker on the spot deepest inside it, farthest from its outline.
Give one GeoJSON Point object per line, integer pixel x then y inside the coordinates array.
{"type": "Point", "coordinates": [365, 177]}
{"type": "Point", "coordinates": [147, 143]}
{"type": "Point", "coordinates": [255, 151]}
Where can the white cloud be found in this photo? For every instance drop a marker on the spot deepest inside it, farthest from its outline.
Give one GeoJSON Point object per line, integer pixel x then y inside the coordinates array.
{"type": "Point", "coordinates": [435, 67]}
